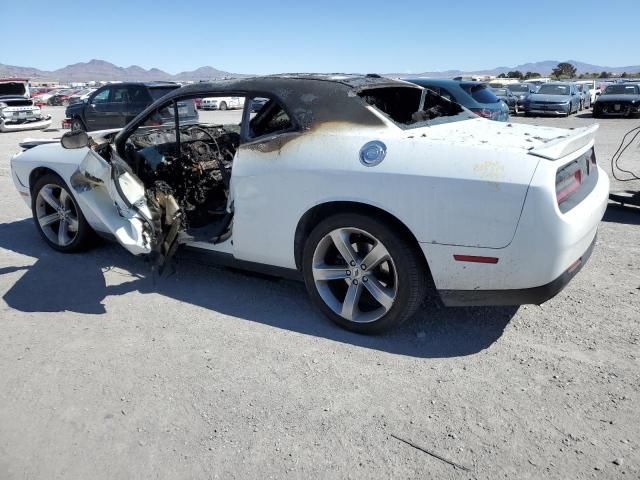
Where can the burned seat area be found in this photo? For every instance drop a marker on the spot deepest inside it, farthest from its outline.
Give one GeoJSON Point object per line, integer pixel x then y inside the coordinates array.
{"type": "Point", "coordinates": [190, 171]}
{"type": "Point", "coordinates": [410, 107]}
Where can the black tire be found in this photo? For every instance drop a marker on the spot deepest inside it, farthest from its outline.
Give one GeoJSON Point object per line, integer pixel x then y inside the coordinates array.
{"type": "Point", "coordinates": [515, 110]}
{"type": "Point", "coordinates": [77, 125]}
{"type": "Point", "coordinates": [84, 234]}
{"type": "Point", "coordinates": [223, 106]}
{"type": "Point", "coordinates": [411, 273]}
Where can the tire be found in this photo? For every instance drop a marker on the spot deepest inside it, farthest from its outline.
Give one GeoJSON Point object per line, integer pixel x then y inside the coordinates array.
{"type": "Point", "coordinates": [223, 106]}
{"type": "Point", "coordinates": [398, 278]}
{"type": "Point", "coordinates": [568, 114]}
{"type": "Point", "coordinates": [77, 125]}
{"type": "Point", "coordinates": [68, 236]}
{"type": "Point", "coordinates": [515, 110]}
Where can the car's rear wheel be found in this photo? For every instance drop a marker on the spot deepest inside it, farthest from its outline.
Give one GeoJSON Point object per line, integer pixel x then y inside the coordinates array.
{"type": "Point", "coordinates": [515, 109]}
{"type": "Point", "coordinates": [77, 125]}
{"type": "Point", "coordinates": [362, 274]}
{"type": "Point", "coordinates": [57, 215]}
{"type": "Point", "coordinates": [223, 105]}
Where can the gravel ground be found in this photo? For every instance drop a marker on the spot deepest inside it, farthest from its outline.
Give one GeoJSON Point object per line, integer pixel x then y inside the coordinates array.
{"type": "Point", "coordinates": [107, 373]}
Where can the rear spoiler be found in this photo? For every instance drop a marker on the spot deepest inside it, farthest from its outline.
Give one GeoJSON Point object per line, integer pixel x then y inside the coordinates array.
{"type": "Point", "coordinates": [564, 145]}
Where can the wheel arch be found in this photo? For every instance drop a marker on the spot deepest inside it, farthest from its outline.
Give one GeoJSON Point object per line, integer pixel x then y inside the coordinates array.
{"type": "Point", "coordinates": [40, 172]}
{"type": "Point", "coordinates": [319, 212]}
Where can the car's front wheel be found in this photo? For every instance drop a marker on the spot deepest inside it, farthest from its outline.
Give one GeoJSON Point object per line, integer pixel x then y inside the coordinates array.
{"type": "Point", "coordinates": [362, 274]}
{"type": "Point", "coordinates": [57, 215]}
{"type": "Point", "coordinates": [223, 106]}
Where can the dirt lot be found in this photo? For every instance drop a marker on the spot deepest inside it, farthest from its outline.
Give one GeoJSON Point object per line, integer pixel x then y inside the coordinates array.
{"type": "Point", "coordinates": [106, 373]}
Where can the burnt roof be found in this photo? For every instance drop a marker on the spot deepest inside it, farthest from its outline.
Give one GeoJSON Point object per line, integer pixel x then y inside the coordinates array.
{"type": "Point", "coordinates": [311, 98]}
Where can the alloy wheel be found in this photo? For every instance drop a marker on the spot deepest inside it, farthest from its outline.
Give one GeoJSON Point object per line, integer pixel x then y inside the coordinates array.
{"type": "Point", "coordinates": [57, 214]}
{"type": "Point", "coordinates": [355, 275]}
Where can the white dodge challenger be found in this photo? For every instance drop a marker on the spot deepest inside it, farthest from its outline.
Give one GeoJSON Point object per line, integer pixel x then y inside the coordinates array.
{"type": "Point", "coordinates": [371, 190]}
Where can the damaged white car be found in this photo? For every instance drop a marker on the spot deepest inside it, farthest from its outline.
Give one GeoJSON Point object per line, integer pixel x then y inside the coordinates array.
{"type": "Point", "coordinates": [17, 110]}
{"type": "Point", "coordinates": [370, 190]}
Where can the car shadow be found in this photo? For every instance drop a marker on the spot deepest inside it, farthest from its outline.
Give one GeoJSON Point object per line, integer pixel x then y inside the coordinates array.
{"type": "Point", "coordinates": [58, 282]}
{"type": "Point", "coordinates": [616, 213]}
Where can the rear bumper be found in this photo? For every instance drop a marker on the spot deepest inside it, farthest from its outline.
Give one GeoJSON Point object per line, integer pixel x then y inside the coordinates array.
{"type": "Point", "coordinates": [18, 127]}
{"type": "Point", "coordinates": [522, 296]}
{"type": "Point", "coordinates": [541, 257]}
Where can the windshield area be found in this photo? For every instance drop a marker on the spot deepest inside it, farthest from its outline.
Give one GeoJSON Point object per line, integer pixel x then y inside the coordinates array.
{"type": "Point", "coordinates": [547, 89]}
{"type": "Point", "coordinates": [519, 88]}
{"type": "Point", "coordinates": [12, 88]}
{"type": "Point", "coordinates": [500, 91]}
{"type": "Point", "coordinates": [480, 93]}
{"type": "Point", "coordinates": [621, 90]}
{"type": "Point", "coordinates": [410, 107]}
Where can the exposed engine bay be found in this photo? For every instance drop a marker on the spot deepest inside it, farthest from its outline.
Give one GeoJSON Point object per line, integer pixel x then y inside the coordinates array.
{"type": "Point", "coordinates": [192, 169]}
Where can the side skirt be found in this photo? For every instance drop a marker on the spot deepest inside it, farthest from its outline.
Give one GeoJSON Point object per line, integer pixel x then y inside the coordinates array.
{"type": "Point", "coordinates": [221, 259]}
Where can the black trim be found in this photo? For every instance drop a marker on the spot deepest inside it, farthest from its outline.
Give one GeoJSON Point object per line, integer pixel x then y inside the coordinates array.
{"type": "Point", "coordinates": [220, 259]}
{"type": "Point", "coordinates": [535, 295]}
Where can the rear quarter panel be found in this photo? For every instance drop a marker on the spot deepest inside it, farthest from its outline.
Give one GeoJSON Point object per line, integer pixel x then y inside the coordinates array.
{"type": "Point", "coordinates": [447, 190]}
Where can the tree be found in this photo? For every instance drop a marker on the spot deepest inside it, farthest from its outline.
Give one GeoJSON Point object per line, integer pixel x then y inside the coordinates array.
{"type": "Point", "coordinates": [604, 75]}
{"type": "Point", "coordinates": [624, 75]}
{"type": "Point", "coordinates": [564, 70]}
{"type": "Point", "coordinates": [502, 75]}
{"type": "Point", "coordinates": [529, 75]}
{"type": "Point", "coordinates": [515, 74]}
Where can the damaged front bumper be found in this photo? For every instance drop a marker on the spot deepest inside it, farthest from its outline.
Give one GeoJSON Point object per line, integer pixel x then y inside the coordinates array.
{"type": "Point", "coordinates": [7, 125]}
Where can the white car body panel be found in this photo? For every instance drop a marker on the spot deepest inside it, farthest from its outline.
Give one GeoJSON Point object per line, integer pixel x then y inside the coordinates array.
{"type": "Point", "coordinates": [472, 187]}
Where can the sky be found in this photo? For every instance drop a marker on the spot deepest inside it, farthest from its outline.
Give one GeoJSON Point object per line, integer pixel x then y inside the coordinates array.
{"type": "Point", "coordinates": [259, 37]}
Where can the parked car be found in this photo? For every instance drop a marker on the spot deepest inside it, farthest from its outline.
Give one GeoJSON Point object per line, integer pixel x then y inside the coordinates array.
{"type": "Point", "coordinates": [80, 96]}
{"type": "Point", "coordinates": [198, 102]}
{"type": "Point", "coordinates": [522, 91]}
{"type": "Point", "coordinates": [556, 98]}
{"type": "Point", "coordinates": [44, 97]}
{"type": "Point", "coordinates": [17, 110]}
{"type": "Point", "coordinates": [114, 105]}
{"type": "Point", "coordinates": [222, 103]}
{"type": "Point", "coordinates": [618, 99]}
{"type": "Point", "coordinates": [507, 97]}
{"type": "Point", "coordinates": [475, 96]}
{"type": "Point", "coordinates": [585, 95]}
{"type": "Point", "coordinates": [593, 89]}
{"type": "Point", "coordinates": [507, 213]}
{"type": "Point", "coordinates": [257, 104]}
{"type": "Point", "coordinates": [61, 98]}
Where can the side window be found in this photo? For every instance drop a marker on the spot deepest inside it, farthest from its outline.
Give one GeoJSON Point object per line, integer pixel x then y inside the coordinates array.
{"type": "Point", "coordinates": [120, 95]}
{"type": "Point", "coordinates": [101, 97]}
{"type": "Point", "coordinates": [138, 94]}
{"type": "Point", "coordinates": [270, 118]}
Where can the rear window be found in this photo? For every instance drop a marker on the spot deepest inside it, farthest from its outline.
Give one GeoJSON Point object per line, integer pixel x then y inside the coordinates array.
{"type": "Point", "coordinates": [413, 107]}
{"type": "Point", "coordinates": [480, 93]}
{"type": "Point", "coordinates": [159, 92]}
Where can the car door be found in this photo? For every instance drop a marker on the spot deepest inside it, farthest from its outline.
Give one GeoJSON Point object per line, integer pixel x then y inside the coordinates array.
{"type": "Point", "coordinates": [118, 111]}
{"type": "Point", "coordinates": [138, 99]}
{"type": "Point", "coordinates": [116, 197]}
{"type": "Point", "coordinates": [95, 109]}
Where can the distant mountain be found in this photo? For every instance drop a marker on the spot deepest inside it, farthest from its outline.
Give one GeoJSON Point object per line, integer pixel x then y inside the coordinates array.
{"type": "Point", "coordinates": [101, 70]}
{"type": "Point", "coordinates": [543, 68]}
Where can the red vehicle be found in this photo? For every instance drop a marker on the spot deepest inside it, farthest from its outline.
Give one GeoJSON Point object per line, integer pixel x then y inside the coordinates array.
{"type": "Point", "coordinates": [198, 102]}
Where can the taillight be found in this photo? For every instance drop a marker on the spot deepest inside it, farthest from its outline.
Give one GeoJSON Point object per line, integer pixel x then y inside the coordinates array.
{"type": "Point", "coordinates": [568, 186]}
{"type": "Point", "coordinates": [571, 177]}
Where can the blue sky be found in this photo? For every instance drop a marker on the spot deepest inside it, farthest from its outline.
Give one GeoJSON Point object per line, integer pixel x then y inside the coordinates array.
{"type": "Point", "coordinates": [248, 36]}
